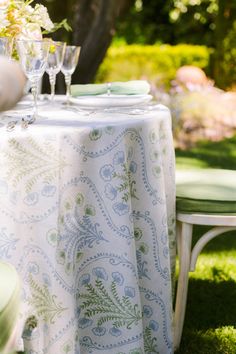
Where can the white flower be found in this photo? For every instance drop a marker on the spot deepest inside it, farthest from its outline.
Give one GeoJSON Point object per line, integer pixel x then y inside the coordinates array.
{"type": "Point", "coordinates": [3, 20]}
{"type": "Point", "coordinates": [41, 17]}
{"type": "Point", "coordinates": [29, 10]}
{"type": "Point", "coordinates": [4, 4]}
{"type": "Point", "coordinates": [31, 31]}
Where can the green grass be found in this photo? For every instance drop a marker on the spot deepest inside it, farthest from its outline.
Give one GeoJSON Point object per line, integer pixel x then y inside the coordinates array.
{"type": "Point", "coordinates": [210, 322]}
{"type": "Point", "coordinates": [220, 154]}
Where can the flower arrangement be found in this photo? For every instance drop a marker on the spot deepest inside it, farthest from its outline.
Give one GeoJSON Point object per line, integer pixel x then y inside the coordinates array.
{"type": "Point", "coordinates": [20, 20]}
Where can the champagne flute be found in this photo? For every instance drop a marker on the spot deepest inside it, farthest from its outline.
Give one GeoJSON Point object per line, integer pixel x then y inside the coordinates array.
{"type": "Point", "coordinates": [68, 67]}
{"type": "Point", "coordinates": [6, 45]}
{"type": "Point", "coordinates": [33, 59]}
{"type": "Point", "coordinates": [54, 63]}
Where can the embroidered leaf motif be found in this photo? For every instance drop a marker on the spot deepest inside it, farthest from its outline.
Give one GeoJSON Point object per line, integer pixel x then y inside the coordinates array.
{"type": "Point", "coordinates": [44, 303]}
{"type": "Point", "coordinates": [150, 345]}
{"type": "Point", "coordinates": [31, 161]}
{"type": "Point", "coordinates": [142, 266]}
{"type": "Point", "coordinates": [77, 234]}
{"type": "Point", "coordinates": [7, 243]}
{"type": "Point", "coordinates": [109, 306]}
{"type": "Point", "coordinates": [127, 184]}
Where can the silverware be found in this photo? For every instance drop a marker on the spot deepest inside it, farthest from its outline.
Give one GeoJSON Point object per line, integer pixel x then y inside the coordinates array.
{"type": "Point", "coordinates": [25, 122]}
{"type": "Point", "coordinates": [11, 125]}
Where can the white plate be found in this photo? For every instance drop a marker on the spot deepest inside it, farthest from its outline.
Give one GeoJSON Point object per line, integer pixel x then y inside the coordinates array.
{"type": "Point", "coordinates": [111, 100]}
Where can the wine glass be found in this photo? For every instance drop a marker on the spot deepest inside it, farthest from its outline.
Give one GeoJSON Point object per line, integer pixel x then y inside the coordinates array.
{"type": "Point", "coordinates": [54, 63]}
{"type": "Point", "coordinates": [6, 45]}
{"type": "Point", "coordinates": [33, 56]}
{"type": "Point", "coordinates": [68, 67]}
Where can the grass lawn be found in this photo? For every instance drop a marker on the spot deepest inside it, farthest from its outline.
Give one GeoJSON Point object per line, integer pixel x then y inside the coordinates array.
{"type": "Point", "coordinates": [210, 322]}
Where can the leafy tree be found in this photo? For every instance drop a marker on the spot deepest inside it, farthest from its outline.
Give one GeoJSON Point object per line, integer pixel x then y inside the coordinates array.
{"type": "Point", "coordinates": [171, 21]}
{"type": "Point", "coordinates": [194, 21]}
{"type": "Point", "coordinates": [147, 22]}
{"type": "Point", "coordinates": [225, 44]}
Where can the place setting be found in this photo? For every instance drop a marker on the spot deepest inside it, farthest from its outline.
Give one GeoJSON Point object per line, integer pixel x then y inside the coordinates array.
{"type": "Point", "coordinates": [37, 57]}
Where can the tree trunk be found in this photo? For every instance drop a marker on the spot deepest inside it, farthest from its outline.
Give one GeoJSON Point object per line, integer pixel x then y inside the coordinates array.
{"type": "Point", "coordinates": [94, 23]}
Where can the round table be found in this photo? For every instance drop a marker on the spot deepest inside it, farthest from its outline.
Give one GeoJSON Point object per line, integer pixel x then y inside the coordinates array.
{"type": "Point", "coordinates": [87, 210]}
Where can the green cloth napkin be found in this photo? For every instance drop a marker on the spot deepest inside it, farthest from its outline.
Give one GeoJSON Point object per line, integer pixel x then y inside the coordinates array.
{"type": "Point", "coordinates": [134, 87]}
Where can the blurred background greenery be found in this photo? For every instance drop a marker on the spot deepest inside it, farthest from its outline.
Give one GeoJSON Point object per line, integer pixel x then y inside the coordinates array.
{"type": "Point", "coordinates": [151, 39]}
{"type": "Point", "coordinates": [99, 24]}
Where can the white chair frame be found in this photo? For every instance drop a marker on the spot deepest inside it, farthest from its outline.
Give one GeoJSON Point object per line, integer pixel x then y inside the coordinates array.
{"type": "Point", "coordinates": [188, 256]}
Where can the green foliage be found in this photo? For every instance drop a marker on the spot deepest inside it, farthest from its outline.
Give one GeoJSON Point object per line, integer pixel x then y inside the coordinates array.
{"type": "Point", "coordinates": [229, 57]}
{"type": "Point", "coordinates": [194, 21]}
{"type": "Point", "coordinates": [157, 63]}
{"type": "Point", "coordinates": [170, 21]}
{"type": "Point", "coordinates": [58, 25]}
{"type": "Point", "coordinates": [150, 22]}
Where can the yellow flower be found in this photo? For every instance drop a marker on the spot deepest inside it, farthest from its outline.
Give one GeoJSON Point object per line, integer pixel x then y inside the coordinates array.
{"type": "Point", "coordinates": [52, 49]}
{"type": "Point", "coordinates": [14, 30]}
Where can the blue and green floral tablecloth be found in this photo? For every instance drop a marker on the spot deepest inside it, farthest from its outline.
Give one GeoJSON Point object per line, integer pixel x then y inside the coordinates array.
{"type": "Point", "coordinates": [87, 211]}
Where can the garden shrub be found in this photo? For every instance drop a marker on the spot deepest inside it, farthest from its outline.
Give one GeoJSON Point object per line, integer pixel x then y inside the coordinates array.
{"type": "Point", "coordinates": [157, 63]}
{"type": "Point", "coordinates": [228, 68]}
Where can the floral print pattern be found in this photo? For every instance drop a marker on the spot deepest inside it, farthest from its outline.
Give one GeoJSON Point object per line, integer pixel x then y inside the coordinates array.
{"type": "Point", "coordinates": [88, 220]}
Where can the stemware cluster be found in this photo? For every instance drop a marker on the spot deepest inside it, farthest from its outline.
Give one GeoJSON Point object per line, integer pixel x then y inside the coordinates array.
{"type": "Point", "coordinates": [39, 56]}
{"type": "Point", "coordinates": [6, 45]}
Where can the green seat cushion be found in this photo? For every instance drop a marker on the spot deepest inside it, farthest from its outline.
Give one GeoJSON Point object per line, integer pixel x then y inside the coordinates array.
{"type": "Point", "coordinates": [206, 191]}
{"type": "Point", "coordinates": [9, 301]}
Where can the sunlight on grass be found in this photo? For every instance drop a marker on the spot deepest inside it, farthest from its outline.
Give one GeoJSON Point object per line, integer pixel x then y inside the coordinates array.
{"type": "Point", "coordinates": [220, 154]}
{"type": "Point", "coordinates": [216, 267]}
{"type": "Point", "coordinates": [214, 341]}
{"type": "Point", "coordinates": [186, 162]}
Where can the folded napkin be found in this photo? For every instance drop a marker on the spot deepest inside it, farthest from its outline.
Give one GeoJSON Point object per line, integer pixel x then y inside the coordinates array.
{"type": "Point", "coordinates": [134, 87]}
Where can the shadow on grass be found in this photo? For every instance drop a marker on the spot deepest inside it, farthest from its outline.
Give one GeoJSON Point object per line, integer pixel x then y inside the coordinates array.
{"type": "Point", "coordinates": [210, 304]}
{"type": "Point", "coordinates": [223, 242]}
{"type": "Point", "coordinates": [210, 318]}
{"type": "Point", "coordinates": [221, 341]}
{"type": "Point", "coordinates": [209, 154]}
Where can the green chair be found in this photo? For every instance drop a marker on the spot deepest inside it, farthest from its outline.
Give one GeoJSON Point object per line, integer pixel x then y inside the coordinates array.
{"type": "Point", "coordinates": [9, 306]}
{"type": "Point", "coordinates": [203, 197]}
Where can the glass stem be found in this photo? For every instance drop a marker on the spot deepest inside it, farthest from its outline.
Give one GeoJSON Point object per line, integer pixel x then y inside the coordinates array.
{"type": "Point", "coordinates": [52, 80]}
{"type": "Point", "coordinates": [68, 83]}
{"type": "Point", "coordinates": [34, 90]}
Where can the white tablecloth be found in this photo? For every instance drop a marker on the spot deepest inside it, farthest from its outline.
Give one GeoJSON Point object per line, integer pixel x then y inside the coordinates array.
{"type": "Point", "coordinates": [87, 210]}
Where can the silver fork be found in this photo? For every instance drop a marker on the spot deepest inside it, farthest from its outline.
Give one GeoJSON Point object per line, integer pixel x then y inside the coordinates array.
{"type": "Point", "coordinates": [11, 125]}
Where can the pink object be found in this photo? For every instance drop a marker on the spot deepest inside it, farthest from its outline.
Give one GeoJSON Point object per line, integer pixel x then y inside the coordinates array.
{"type": "Point", "coordinates": [12, 82]}
{"type": "Point", "coordinates": [189, 74]}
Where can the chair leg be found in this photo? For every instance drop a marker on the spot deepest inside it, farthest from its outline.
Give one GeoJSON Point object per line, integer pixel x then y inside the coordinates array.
{"type": "Point", "coordinates": [178, 236]}
{"type": "Point", "coordinates": [184, 245]}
